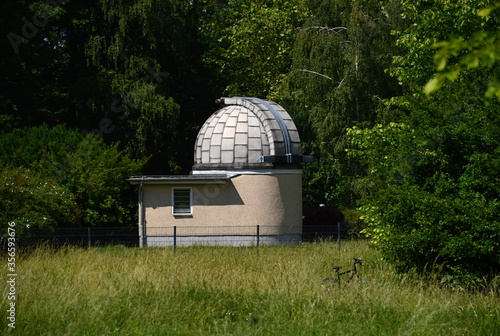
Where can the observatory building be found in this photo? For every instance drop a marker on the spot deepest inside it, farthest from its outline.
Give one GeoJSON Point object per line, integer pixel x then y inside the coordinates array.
{"type": "Point", "coordinates": [245, 186]}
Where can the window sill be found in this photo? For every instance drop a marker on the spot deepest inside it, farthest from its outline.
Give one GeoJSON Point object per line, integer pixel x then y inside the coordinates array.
{"type": "Point", "coordinates": [182, 215]}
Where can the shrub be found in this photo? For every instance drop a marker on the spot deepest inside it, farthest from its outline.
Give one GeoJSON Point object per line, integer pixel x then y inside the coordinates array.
{"type": "Point", "coordinates": [31, 200]}
{"type": "Point", "coordinates": [92, 173]}
{"type": "Point", "coordinates": [433, 206]}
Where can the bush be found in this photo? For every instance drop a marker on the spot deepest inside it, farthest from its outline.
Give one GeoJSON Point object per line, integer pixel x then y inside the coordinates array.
{"type": "Point", "coordinates": [31, 200]}
{"type": "Point", "coordinates": [451, 236]}
{"type": "Point", "coordinates": [433, 206]}
{"type": "Point", "coordinates": [92, 173]}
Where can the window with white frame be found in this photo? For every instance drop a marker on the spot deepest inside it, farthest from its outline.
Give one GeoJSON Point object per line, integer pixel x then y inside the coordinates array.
{"type": "Point", "coordinates": [181, 201]}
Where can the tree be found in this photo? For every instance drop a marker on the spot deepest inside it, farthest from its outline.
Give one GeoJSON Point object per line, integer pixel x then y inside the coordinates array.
{"type": "Point", "coordinates": [337, 80]}
{"type": "Point", "coordinates": [248, 43]}
{"type": "Point", "coordinates": [138, 52]}
{"type": "Point", "coordinates": [92, 174]}
{"type": "Point", "coordinates": [130, 72]}
{"type": "Point", "coordinates": [430, 195]}
{"type": "Point", "coordinates": [34, 59]}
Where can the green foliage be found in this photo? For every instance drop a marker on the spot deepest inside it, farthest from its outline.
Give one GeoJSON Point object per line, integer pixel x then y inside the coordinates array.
{"type": "Point", "coordinates": [36, 54]}
{"type": "Point", "coordinates": [117, 68]}
{"type": "Point", "coordinates": [428, 24]}
{"type": "Point", "coordinates": [97, 175]}
{"type": "Point", "coordinates": [481, 50]}
{"type": "Point", "coordinates": [140, 53]}
{"type": "Point", "coordinates": [31, 200]}
{"type": "Point", "coordinates": [337, 80]}
{"type": "Point", "coordinates": [92, 174]}
{"type": "Point", "coordinates": [383, 150]}
{"type": "Point", "coordinates": [430, 189]}
{"type": "Point", "coordinates": [249, 43]}
{"type": "Point", "coordinates": [454, 236]}
{"type": "Point", "coordinates": [320, 182]}
{"type": "Point", "coordinates": [352, 74]}
{"type": "Point", "coordinates": [431, 199]}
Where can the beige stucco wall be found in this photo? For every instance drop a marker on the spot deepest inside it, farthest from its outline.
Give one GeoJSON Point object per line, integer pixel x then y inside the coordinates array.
{"type": "Point", "coordinates": [273, 201]}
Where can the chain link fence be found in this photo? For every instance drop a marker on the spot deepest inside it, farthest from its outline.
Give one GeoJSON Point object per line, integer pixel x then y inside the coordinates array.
{"type": "Point", "coordinates": [185, 235]}
{"type": "Point", "coordinates": [83, 237]}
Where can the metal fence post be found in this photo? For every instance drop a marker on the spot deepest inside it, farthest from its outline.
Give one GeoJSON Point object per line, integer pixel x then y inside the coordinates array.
{"type": "Point", "coordinates": [338, 234]}
{"type": "Point", "coordinates": [258, 235]}
{"type": "Point", "coordinates": [89, 236]}
{"type": "Point", "coordinates": [175, 238]}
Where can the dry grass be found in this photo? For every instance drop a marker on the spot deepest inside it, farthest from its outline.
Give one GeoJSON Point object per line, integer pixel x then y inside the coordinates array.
{"type": "Point", "coordinates": [274, 290]}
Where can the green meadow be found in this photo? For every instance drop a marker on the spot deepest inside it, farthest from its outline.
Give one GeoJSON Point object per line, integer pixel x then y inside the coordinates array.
{"type": "Point", "coordinates": [271, 290]}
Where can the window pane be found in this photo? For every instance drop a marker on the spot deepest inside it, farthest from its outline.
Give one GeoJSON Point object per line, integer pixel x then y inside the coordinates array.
{"type": "Point", "coordinates": [182, 201]}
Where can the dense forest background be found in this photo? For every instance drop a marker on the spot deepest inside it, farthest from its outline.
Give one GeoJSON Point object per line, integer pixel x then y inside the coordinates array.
{"type": "Point", "coordinates": [397, 100]}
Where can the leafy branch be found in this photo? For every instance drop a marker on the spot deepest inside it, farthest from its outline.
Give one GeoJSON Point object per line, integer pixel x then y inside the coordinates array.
{"type": "Point", "coordinates": [482, 50]}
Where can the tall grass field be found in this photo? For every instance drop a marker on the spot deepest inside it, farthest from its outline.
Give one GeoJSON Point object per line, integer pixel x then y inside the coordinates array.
{"type": "Point", "coordinates": [270, 290]}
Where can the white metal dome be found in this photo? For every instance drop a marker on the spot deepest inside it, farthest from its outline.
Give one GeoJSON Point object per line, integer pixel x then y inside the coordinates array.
{"type": "Point", "coordinates": [248, 130]}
